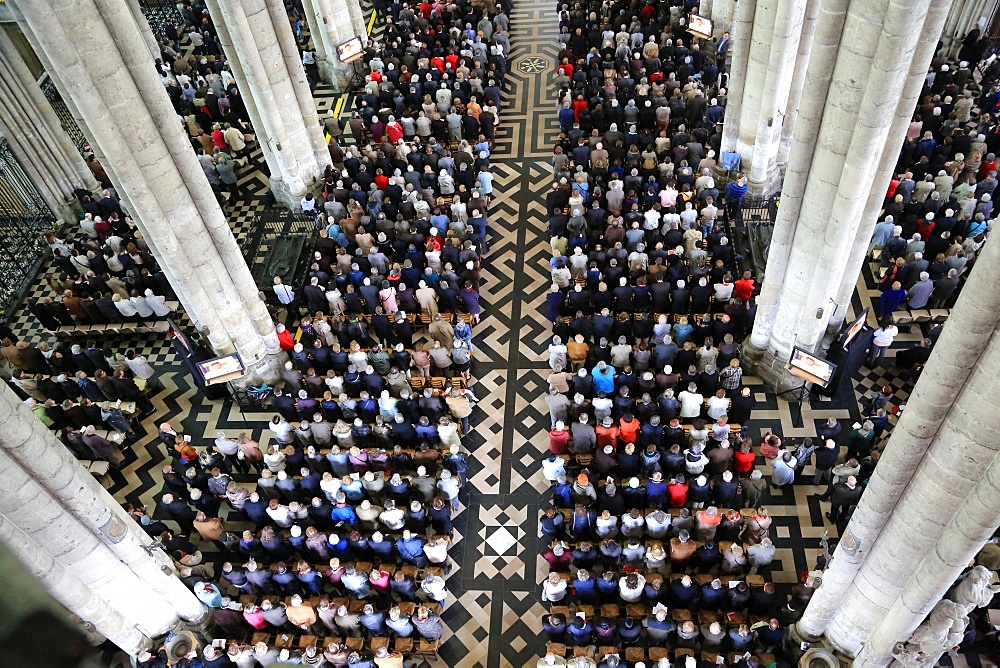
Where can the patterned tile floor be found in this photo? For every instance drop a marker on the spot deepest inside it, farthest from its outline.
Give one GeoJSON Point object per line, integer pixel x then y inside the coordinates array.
{"type": "Point", "coordinates": [495, 619]}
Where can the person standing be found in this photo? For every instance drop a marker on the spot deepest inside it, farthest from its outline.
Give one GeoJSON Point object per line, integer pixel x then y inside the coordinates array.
{"type": "Point", "coordinates": [881, 340]}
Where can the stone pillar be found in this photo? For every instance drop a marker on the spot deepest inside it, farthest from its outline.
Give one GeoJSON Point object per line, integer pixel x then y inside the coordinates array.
{"type": "Point", "coordinates": [963, 17]}
{"type": "Point", "coordinates": [798, 80]}
{"type": "Point", "coordinates": [37, 139]}
{"type": "Point", "coordinates": [754, 128]}
{"type": "Point", "coordinates": [141, 22]}
{"type": "Point", "coordinates": [256, 34]}
{"type": "Point", "coordinates": [722, 16]}
{"type": "Point", "coordinates": [125, 112]}
{"type": "Point", "coordinates": [70, 591]}
{"type": "Point", "coordinates": [886, 166]}
{"type": "Point", "coordinates": [330, 25]}
{"type": "Point", "coordinates": [83, 526]}
{"type": "Point", "coordinates": [359, 21]}
{"type": "Point", "coordinates": [845, 120]}
{"type": "Point", "coordinates": [739, 58]}
{"type": "Point", "coordinates": [931, 502]}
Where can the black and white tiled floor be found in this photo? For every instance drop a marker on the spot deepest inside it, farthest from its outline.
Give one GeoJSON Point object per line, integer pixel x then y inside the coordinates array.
{"type": "Point", "coordinates": [495, 619]}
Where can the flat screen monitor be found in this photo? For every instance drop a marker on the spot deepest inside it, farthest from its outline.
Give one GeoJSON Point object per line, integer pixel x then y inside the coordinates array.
{"type": "Point", "coordinates": [350, 50]}
{"type": "Point", "coordinates": [852, 330]}
{"type": "Point", "coordinates": [221, 369]}
{"type": "Point", "coordinates": [810, 368]}
{"type": "Point", "coordinates": [700, 26]}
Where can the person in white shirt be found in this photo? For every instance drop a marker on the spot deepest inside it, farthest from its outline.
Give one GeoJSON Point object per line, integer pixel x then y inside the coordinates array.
{"type": "Point", "coordinates": [718, 405]}
{"type": "Point", "coordinates": [554, 589]}
{"type": "Point", "coordinates": [691, 402]}
{"type": "Point", "coordinates": [283, 431]}
{"type": "Point", "coordinates": [285, 294]}
{"type": "Point", "coordinates": [158, 303]}
{"type": "Point", "coordinates": [437, 553]}
{"type": "Point", "coordinates": [392, 517]}
{"type": "Point", "coordinates": [125, 307]}
{"type": "Point", "coordinates": [435, 588]}
{"type": "Point", "coordinates": [881, 340]}
{"type": "Point", "coordinates": [552, 468]}
{"type": "Point", "coordinates": [141, 306]}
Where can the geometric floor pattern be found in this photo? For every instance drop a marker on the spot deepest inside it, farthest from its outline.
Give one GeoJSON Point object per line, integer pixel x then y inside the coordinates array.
{"type": "Point", "coordinates": [495, 619]}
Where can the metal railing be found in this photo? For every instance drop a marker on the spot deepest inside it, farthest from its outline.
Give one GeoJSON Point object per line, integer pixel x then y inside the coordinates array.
{"type": "Point", "coordinates": [62, 111]}
{"type": "Point", "coordinates": [279, 243]}
{"type": "Point", "coordinates": [24, 218]}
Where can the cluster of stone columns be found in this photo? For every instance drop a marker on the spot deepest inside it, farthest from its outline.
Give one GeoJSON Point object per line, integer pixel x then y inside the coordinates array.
{"type": "Point", "coordinates": [262, 53]}
{"type": "Point", "coordinates": [931, 502]}
{"type": "Point", "coordinates": [964, 16]}
{"type": "Point", "coordinates": [36, 138]}
{"type": "Point", "coordinates": [125, 112]}
{"type": "Point", "coordinates": [73, 536]}
{"type": "Point", "coordinates": [771, 42]}
{"type": "Point", "coordinates": [860, 83]}
{"type": "Point", "coordinates": [331, 23]}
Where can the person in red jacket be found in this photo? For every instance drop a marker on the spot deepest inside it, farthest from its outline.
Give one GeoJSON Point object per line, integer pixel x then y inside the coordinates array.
{"type": "Point", "coordinates": [628, 428]}
{"type": "Point", "coordinates": [559, 439]}
{"type": "Point", "coordinates": [285, 339]}
{"type": "Point", "coordinates": [743, 460]}
{"type": "Point", "coordinates": [607, 434]}
{"type": "Point", "coordinates": [743, 288]}
{"type": "Point", "coordinates": [677, 490]}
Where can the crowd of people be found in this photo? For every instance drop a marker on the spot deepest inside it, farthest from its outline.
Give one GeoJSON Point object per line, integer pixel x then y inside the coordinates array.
{"type": "Point", "coordinates": [657, 484]}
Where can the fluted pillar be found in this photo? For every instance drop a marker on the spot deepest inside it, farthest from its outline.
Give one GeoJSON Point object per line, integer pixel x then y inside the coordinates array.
{"type": "Point", "coordinates": [722, 15]}
{"type": "Point", "coordinates": [765, 60]}
{"type": "Point", "coordinates": [845, 118]}
{"type": "Point", "coordinates": [963, 17]}
{"type": "Point", "coordinates": [256, 35]}
{"type": "Point", "coordinates": [739, 58]}
{"type": "Point", "coordinates": [330, 25]}
{"type": "Point", "coordinates": [126, 114]}
{"type": "Point", "coordinates": [931, 502]}
{"type": "Point", "coordinates": [797, 81]}
{"type": "Point", "coordinates": [65, 587]}
{"type": "Point", "coordinates": [36, 137]}
{"type": "Point", "coordinates": [886, 167]}
{"type": "Point", "coordinates": [36, 463]}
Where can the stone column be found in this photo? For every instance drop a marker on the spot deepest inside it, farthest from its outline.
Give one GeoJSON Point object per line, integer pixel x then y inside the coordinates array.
{"type": "Point", "coordinates": [931, 502]}
{"type": "Point", "coordinates": [846, 119]}
{"type": "Point", "coordinates": [886, 166]}
{"type": "Point", "coordinates": [256, 34]}
{"type": "Point", "coordinates": [963, 17]}
{"type": "Point", "coordinates": [754, 128]}
{"type": "Point", "coordinates": [36, 137]}
{"type": "Point", "coordinates": [330, 25]}
{"type": "Point", "coordinates": [359, 21]}
{"type": "Point", "coordinates": [722, 15]}
{"type": "Point", "coordinates": [127, 115]}
{"type": "Point", "coordinates": [798, 80]}
{"type": "Point", "coordinates": [61, 502]}
{"type": "Point", "coordinates": [141, 22]}
{"type": "Point", "coordinates": [70, 591]}
{"type": "Point", "coordinates": [739, 57]}
{"type": "Point", "coordinates": [782, 61]}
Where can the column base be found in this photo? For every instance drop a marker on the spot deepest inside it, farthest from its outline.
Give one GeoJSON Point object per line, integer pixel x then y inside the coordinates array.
{"type": "Point", "coordinates": [765, 364]}
{"type": "Point", "coordinates": [770, 185]}
{"type": "Point", "coordinates": [289, 198]}
{"type": "Point", "coordinates": [819, 653]}
{"type": "Point", "coordinates": [268, 370]}
{"type": "Point", "coordinates": [336, 74]}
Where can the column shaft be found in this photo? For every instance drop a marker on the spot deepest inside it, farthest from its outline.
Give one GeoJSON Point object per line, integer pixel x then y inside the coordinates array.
{"type": "Point", "coordinates": [129, 119]}
{"type": "Point", "coordinates": [887, 164]}
{"type": "Point", "coordinates": [950, 368]}
{"type": "Point", "coordinates": [798, 80]}
{"type": "Point", "coordinates": [278, 90]}
{"type": "Point", "coordinates": [755, 76]}
{"type": "Point", "coordinates": [722, 16]}
{"type": "Point", "coordinates": [36, 137]}
{"type": "Point", "coordinates": [71, 592]}
{"type": "Point", "coordinates": [877, 45]}
{"type": "Point", "coordinates": [782, 60]}
{"type": "Point", "coordinates": [739, 55]}
{"type": "Point", "coordinates": [330, 25]}
{"type": "Point", "coordinates": [46, 462]}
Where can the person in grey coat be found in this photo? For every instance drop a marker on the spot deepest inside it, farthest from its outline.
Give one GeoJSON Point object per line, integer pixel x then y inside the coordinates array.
{"type": "Point", "coordinates": [920, 293]}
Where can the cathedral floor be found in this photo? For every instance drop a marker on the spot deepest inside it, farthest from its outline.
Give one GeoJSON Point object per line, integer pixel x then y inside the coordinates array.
{"type": "Point", "coordinates": [494, 615]}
